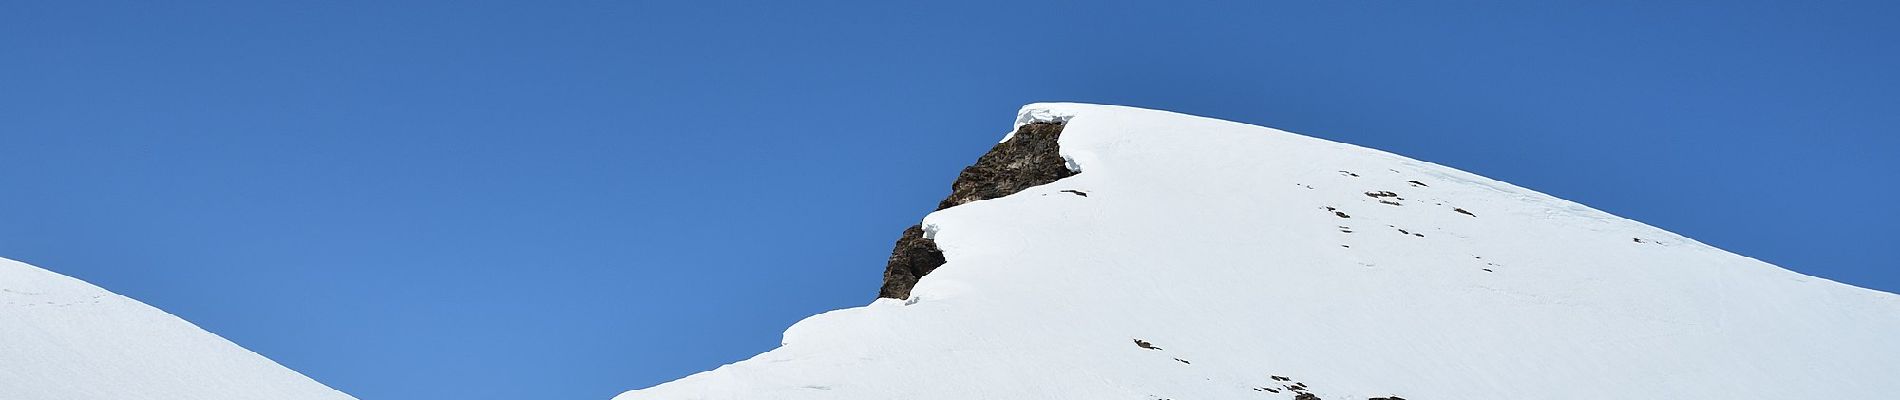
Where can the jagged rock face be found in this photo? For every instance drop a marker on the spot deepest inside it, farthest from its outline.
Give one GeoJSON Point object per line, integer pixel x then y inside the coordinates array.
{"type": "Point", "coordinates": [1028, 159]}
{"type": "Point", "coordinates": [912, 258]}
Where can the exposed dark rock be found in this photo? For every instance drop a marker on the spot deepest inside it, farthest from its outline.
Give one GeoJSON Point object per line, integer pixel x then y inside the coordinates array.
{"type": "Point", "coordinates": [1076, 192]}
{"type": "Point", "coordinates": [1028, 159]}
{"type": "Point", "coordinates": [1144, 344]}
{"type": "Point", "coordinates": [1418, 184]}
{"type": "Point", "coordinates": [1462, 211]}
{"type": "Point", "coordinates": [1305, 396]}
{"type": "Point", "coordinates": [912, 258]}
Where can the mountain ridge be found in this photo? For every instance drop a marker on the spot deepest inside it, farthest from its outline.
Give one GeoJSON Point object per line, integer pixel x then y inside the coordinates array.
{"type": "Point", "coordinates": [1213, 259]}
{"type": "Point", "coordinates": [64, 339]}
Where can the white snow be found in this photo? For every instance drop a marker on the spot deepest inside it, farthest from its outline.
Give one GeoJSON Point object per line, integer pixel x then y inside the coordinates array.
{"type": "Point", "coordinates": [1037, 114]}
{"type": "Point", "coordinates": [64, 339]}
{"type": "Point", "coordinates": [1212, 240]}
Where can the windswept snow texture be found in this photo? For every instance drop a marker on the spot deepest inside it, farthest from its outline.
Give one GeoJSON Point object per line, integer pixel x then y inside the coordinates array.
{"type": "Point", "coordinates": [1217, 260]}
{"type": "Point", "coordinates": [64, 339]}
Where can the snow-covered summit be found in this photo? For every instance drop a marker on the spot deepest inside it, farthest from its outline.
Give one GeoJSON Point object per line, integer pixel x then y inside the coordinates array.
{"type": "Point", "coordinates": [1195, 258]}
{"type": "Point", "coordinates": [64, 339]}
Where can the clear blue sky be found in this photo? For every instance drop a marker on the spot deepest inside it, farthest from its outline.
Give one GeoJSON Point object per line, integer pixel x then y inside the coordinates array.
{"type": "Point", "coordinates": [481, 200]}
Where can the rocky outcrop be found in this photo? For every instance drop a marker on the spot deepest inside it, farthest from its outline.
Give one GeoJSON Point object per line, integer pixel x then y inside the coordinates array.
{"type": "Point", "coordinates": [912, 258]}
{"type": "Point", "coordinates": [1029, 158]}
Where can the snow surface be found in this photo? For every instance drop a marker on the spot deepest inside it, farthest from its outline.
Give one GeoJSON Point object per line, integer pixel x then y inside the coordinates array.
{"type": "Point", "coordinates": [64, 339]}
{"type": "Point", "coordinates": [1213, 241]}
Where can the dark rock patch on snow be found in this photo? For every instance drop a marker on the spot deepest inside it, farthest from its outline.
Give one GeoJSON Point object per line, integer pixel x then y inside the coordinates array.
{"type": "Point", "coordinates": [1028, 159]}
{"type": "Point", "coordinates": [912, 258]}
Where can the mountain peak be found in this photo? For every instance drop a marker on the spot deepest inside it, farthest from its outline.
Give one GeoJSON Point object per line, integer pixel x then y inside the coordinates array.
{"type": "Point", "coordinates": [1204, 259]}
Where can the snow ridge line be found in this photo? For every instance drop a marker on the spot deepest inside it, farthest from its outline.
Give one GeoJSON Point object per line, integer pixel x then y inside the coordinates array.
{"type": "Point", "coordinates": [1028, 157]}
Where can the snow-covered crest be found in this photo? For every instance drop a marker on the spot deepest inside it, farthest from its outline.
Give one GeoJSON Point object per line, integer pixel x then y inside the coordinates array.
{"type": "Point", "coordinates": [1205, 259]}
{"type": "Point", "coordinates": [64, 339]}
{"type": "Point", "coordinates": [1040, 113]}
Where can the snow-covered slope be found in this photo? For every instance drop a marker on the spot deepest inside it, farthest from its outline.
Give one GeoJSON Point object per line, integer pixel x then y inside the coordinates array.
{"type": "Point", "coordinates": [64, 339]}
{"type": "Point", "coordinates": [1259, 264]}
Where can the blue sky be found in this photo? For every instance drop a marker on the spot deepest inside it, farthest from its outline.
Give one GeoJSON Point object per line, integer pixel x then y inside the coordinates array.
{"type": "Point", "coordinates": [485, 200]}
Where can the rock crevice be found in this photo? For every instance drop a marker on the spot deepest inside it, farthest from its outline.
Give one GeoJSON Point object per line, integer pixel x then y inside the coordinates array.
{"type": "Point", "coordinates": [1029, 158]}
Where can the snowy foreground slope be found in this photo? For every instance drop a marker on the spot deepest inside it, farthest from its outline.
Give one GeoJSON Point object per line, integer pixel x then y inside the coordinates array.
{"type": "Point", "coordinates": [64, 339]}
{"type": "Point", "coordinates": [1259, 264]}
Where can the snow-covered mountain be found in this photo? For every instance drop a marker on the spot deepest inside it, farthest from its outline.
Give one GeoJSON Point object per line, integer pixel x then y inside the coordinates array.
{"type": "Point", "coordinates": [64, 339]}
{"type": "Point", "coordinates": [1190, 258]}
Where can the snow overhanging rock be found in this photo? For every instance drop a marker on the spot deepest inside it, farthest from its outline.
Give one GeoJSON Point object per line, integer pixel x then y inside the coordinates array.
{"type": "Point", "coordinates": [1206, 259]}
{"type": "Point", "coordinates": [1029, 157]}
